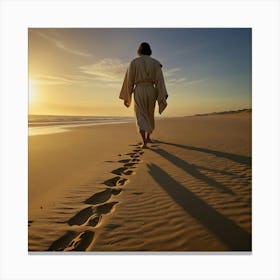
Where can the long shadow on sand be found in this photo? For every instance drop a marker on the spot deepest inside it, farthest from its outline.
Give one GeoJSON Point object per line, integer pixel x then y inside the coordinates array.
{"type": "Point", "coordinates": [193, 171]}
{"type": "Point", "coordinates": [236, 238]}
{"type": "Point", "coordinates": [237, 158]}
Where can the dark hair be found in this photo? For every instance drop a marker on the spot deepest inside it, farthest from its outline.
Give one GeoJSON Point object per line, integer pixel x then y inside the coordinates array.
{"type": "Point", "coordinates": [145, 49]}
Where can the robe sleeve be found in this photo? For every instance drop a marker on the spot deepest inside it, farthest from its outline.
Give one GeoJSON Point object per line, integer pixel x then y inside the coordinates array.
{"type": "Point", "coordinates": [161, 90]}
{"type": "Point", "coordinates": [128, 84]}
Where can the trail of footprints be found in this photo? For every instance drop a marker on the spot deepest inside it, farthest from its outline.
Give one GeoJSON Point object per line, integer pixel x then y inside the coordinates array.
{"type": "Point", "coordinates": [98, 205]}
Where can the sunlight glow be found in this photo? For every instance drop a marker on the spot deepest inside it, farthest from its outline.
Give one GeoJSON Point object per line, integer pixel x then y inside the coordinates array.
{"type": "Point", "coordinates": [32, 92]}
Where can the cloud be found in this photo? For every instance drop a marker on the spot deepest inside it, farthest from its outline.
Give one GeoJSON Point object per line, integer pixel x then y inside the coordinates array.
{"type": "Point", "coordinates": [106, 70]}
{"type": "Point", "coordinates": [173, 78]}
{"type": "Point", "coordinates": [196, 81]}
{"type": "Point", "coordinates": [174, 81]}
{"type": "Point", "coordinates": [170, 72]}
{"type": "Point", "coordinates": [59, 80]}
{"type": "Point", "coordinates": [59, 44]}
{"type": "Point", "coordinates": [184, 81]}
{"type": "Point", "coordinates": [108, 73]}
{"type": "Point", "coordinates": [69, 80]}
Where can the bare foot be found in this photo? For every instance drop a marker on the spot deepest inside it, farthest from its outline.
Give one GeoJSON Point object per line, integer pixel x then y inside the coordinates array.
{"type": "Point", "coordinates": [144, 146]}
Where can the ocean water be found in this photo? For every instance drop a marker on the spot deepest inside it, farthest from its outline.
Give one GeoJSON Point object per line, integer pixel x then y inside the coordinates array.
{"type": "Point", "coordinates": [45, 124]}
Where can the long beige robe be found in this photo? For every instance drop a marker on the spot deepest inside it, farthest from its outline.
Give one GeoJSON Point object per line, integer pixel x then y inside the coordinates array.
{"type": "Point", "coordinates": [144, 78]}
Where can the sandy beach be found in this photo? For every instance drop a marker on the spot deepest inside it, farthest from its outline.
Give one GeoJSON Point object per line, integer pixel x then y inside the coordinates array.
{"type": "Point", "coordinates": [91, 188]}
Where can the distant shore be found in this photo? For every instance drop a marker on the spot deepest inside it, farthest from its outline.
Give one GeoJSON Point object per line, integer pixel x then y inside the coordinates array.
{"type": "Point", "coordinates": [226, 112]}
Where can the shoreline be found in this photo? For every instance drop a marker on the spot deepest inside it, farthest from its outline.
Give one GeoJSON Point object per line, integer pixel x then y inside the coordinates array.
{"type": "Point", "coordinates": [52, 129]}
{"type": "Point", "coordinates": [59, 128]}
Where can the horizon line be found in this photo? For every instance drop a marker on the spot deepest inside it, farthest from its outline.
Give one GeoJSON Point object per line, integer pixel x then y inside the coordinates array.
{"type": "Point", "coordinates": [196, 114]}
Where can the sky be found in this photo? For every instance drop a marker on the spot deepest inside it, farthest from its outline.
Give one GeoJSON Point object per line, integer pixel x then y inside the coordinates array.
{"type": "Point", "coordinates": [79, 71]}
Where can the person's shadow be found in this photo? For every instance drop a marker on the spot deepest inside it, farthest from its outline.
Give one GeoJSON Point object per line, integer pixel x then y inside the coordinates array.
{"type": "Point", "coordinates": [236, 238]}
{"type": "Point", "coordinates": [193, 170]}
{"type": "Point", "coordinates": [234, 157]}
{"type": "Point", "coordinates": [231, 234]}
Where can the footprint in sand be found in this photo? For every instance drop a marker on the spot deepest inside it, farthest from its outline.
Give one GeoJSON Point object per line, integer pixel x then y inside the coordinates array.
{"type": "Point", "coordinates": [81, 242]}
{"type": "Point", "coordinates": [81, 217]}
{"type": "Point", "coordinates": [128, 172]}
{"type": "Point", "coordinates": [94, 220]}
{"type": "Point", "coordinates": [123, 170]}
{"type": "Point", "coordinates": [116, 181]}
{"type": "Point", "coordinates": [61, 243]}
{"type": "Point", "coordinates": [99, 212]}
{"type": "Point", "coordinates": [102, 197]}
{"type": "Point", "coordinates": [116, 191]}
{"type": "Point", "coordinates": [91, 216]}
{"type": "Point", "coordinates": [130, 164]}
{"type": "Point", "coordinates": [135, 160]}
{"type": "Point", "coordinates": [89, 213]}
{"type": "Point", "coordinates": [73, 241]}
{"type": "Point", "coordinates": [122, 181]}
{"type": "Point", "coordinates": [119, 171]}
{"type": "Point", "coordinates": [135, 156]}
{"type": "Point", "coordinates": [105, 208]}
{"type": "Point", "coordinates": [124, 160]}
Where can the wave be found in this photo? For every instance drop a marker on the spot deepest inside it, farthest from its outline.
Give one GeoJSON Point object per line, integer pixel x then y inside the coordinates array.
{"type": "Point", "coordinates": [47, 120]}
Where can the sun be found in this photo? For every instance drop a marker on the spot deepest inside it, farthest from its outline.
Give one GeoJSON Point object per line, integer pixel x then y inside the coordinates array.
{"type": "Point", "coordinates": [32, 92]}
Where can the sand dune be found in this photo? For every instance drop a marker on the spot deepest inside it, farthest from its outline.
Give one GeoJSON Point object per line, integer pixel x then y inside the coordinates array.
{"type": "Point", "coordinates": [190, 191]}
